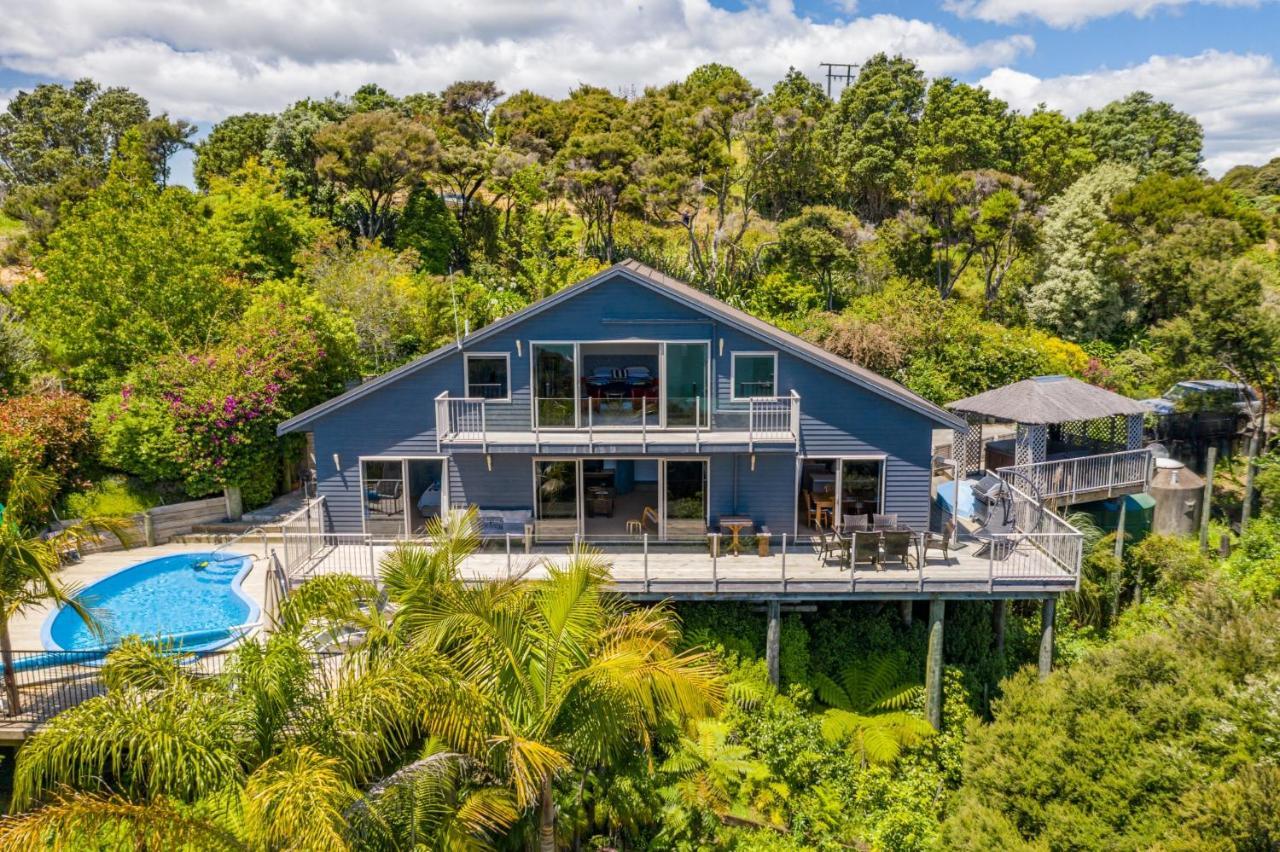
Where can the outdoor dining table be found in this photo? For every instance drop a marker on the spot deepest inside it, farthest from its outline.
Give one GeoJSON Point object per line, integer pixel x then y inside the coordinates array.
{"type": "Point", "coordinates": [736, 525]}
{"type": "Point", "coordinates": [845, 540]}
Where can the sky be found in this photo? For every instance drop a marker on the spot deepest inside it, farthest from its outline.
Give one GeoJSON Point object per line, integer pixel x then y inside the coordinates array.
{"type": "Point", "coordinates": [202, 60]}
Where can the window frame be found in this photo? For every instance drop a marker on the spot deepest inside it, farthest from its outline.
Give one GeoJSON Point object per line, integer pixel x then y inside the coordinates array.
{"type": "Point", "coordinates": [466, 374]}
{"type": "Point", "coordinates": [733, 374]}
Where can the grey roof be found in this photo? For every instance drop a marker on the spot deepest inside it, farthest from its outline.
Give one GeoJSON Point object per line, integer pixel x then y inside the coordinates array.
{"type": "Point", "coordinates": [681, 292]}
{"type": "Point", "coordinates": [1047, 400]}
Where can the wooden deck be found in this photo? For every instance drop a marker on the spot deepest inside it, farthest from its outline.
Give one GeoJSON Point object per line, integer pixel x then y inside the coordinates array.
{"type": "Point", "coordinates": [691, 573]}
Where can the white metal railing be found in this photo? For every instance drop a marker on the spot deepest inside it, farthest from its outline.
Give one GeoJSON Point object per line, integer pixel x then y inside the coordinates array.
{"type": "Point", "coordinates": [302, 535]}
{"type": "Point", "coordinates": [1108, 473]}
{"type": "Point", "coordinates": [461, 419]}
{"type": "Point", "coordinates": [1040, 546]}
{"type": "Point", "coordinates": [773, 418]}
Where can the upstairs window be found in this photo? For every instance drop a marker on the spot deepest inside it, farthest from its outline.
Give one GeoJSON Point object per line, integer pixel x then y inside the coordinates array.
{"type": "Point", "coordinates": [754, 374]}
{"type": "Point", "coordinates": [488, 377]}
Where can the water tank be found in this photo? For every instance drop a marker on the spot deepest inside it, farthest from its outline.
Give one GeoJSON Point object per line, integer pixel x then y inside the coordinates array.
{"type": "Point", "coordinates": [1178, 493]}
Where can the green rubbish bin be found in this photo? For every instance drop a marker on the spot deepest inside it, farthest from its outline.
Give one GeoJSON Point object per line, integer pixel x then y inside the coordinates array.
{"type": "Point", "coordinates": [1139, 512]}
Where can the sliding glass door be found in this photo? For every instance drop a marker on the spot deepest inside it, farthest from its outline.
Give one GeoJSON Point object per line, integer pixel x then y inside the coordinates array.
{"type": "Point", "coordinates": [556, 490]}
{"type": "Point", "coordinates": [554, 386]}
{"type": "Point", "coordinates": [401, 495]}
{"type": "Point", "coordinates": [685, 388]}
{"type": "Point", "coordinates": [685, 493]}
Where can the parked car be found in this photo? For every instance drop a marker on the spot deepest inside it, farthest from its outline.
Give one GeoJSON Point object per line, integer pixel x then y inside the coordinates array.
{"type": "Point", "coordinates": [1207, 395]}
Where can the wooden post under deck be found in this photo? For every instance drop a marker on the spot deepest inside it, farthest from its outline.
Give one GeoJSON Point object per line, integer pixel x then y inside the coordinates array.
{"type": "Point", "coordinates": [1047, 613]}
{"type": "Point", "coordinates": [773, 640]}
{"type": "Point", "coordinates": [904, 609]}
{"type": "Point", "coordinates": [933, 665]}
{"type": "Point", "coordinates": [997, 626]}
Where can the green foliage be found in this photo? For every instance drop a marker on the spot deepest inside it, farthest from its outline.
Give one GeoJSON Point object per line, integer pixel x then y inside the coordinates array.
{"type": "Point", "coordinates": [48, 431]}
{"type": "Point", "coordinates": [230, 145]}
{"type": "Point", "coordinates": [115, 496]}
{"type": "Point", "coordinates": [1149, 135]}
{"type": "Point", "coordinates": [1115, 750]}
{"type": "Point", "coordinates": [964, 128]}
{"type": "Point", "coordinates": [427, 227]}
{"type": "Point", "coordinates": [133, 272]}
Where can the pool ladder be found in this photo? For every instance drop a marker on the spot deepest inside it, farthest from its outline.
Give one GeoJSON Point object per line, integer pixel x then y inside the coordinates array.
{"type": "Point", "coordinates": [252, 531]}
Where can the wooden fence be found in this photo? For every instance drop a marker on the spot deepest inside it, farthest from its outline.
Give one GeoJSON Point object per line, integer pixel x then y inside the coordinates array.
{"type": "Point", "coordinates": [161, 524]}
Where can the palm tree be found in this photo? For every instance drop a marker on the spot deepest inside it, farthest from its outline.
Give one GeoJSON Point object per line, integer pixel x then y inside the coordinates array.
{"type": "Point", "coordinates": [29, 561]}
{"type": "Point", "coordinates": [563, 673]}
{"type": "Point", "coordinates": [867, 708]}
{"type": "Point", "coordinates": [711, 774]}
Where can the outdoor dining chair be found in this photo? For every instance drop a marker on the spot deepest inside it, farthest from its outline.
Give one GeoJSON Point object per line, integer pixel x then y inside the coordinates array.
{"type": "Point", "coordinates": [865, 549]}
{"type": "Point", "coordinates": [940, 541]}
{"type": "Point", "coordinates": [853, 523]}
{"type": "Point", "coordinates": [897, 546]}
{"type": "Point", "coordinates": [884, 522]}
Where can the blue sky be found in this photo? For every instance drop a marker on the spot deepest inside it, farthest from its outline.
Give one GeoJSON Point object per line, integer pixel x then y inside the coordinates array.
{"type": "Point", "coordinates": [205, 59]}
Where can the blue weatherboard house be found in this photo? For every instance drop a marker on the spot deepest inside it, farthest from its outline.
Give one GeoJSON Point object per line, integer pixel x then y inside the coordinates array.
{"type": "Point", "coordinates": [627, 403]}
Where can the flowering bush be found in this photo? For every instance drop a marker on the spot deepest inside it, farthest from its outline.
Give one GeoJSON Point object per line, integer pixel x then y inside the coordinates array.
{"type": "Point", "coordinates": [208, 419]}
{"type": "Point", "coordinates": [45, 430]}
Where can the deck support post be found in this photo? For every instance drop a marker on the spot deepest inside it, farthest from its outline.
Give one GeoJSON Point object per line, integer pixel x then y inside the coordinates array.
{"type": "Point", "coordinates": [997, 626]}
{"type": "Point", "coordinates": [904, 609]}
{"type": "Point", "coordinates": [1207, 502]}
{"type": "Point", "coordinates": [1048, 612]}
{"type": "Point", "coordinates": [1124, 501]}
{"type": "Point", "coordinates": [933, 665]}
{"type": "Point", "coordinates": [773, 640]}
{"type": "Point", "coordinates": [1246, 505]}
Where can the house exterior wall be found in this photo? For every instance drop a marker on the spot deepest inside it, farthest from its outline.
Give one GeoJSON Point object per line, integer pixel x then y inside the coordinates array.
{"type": "Point", "coordinates": [838, 417]}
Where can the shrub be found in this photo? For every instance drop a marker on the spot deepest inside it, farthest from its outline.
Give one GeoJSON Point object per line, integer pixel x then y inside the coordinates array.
{"type": "Point", "coordinates": [114, 496]}
{"type": "Point", "coordinates": [45, 430]}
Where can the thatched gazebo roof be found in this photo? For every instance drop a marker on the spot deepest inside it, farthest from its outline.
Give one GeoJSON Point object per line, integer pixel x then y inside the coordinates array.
{"type": "Point", "coordinates": [1046, 400]}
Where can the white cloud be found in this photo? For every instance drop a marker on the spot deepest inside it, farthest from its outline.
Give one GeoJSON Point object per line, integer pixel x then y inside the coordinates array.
{"type": "Point", "coordinates": [1236, 97]}
{"type": "Point", "coordinates": [1069, 13]}
{"type": "Point", "coordinates": [205, 59]}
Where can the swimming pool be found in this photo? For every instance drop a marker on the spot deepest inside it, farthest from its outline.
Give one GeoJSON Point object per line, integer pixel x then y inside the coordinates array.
{"type": "Point", "coordinates": [192, 601]}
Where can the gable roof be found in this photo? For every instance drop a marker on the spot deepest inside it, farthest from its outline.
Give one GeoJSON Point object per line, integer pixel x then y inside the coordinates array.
{"type": "Point", "coordinates": [1048, 400]}
{"type": "Point", "coordinates": [680, 292]}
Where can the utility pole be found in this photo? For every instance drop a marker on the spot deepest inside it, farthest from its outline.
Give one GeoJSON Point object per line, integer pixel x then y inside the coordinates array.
{"type": "Point", "coordinates": [846, 71]}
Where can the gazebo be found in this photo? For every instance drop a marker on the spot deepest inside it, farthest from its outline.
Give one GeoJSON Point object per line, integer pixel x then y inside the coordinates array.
{"type": "Point", "coordinates": [1057, 418]}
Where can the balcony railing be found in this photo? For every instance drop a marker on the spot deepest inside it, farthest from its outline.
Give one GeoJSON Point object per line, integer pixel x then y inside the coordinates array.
{"type": "Point", "coordinates": [1091, 477]}
{"type": "Point", "coordinates": [464, 420]}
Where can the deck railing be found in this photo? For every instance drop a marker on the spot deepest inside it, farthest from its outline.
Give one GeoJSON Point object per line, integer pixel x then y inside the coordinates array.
{"type": "Point", "coordinates": [1041, 545]}
{"type": "Point", "coordinates": [1107, 474]}
{"type": "Point", "coordinates": [303, 533]}
{"type": "Point", "coordinates": [773, 419]}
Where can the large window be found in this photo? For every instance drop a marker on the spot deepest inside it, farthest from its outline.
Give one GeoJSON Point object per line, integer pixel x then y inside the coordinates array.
{"type": "Point", "coordinates": [488, 377]}
{"type": "Point", "coordinates": [687, 400]}
{"type": "Point", "coordinates": [754, 374]}
{"type": "Point", "coordinates": [556, 484]}
{"type": "Point", "coordinates": [553, 385]}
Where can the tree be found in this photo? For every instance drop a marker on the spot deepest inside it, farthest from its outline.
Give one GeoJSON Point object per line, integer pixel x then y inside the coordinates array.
{"type": "Point", "coordinates": [1077, 295]}
{"type": "Point", "coordinates": [789, 119]}
{"type": "Point", "coordinates": [595, 174]}
{"type": "Point", "coordinates": [1147, 134]}
{"type": "Point", "coordinates": [373, 156]}
{"type": "Point", "coordinates": [163, 138]}
{"type": "Point", "coordinates": [964, 128]}
{"type": "Point", "coordinates": [1006, 229]}
{"type": "Point", "coordinates": [873, 131]}
{"type": "Point", "coordinates": [467, 150]}
{"type": "Point", "coordinates": [1052, 152]}
{"type": "Point", "coordinates": [261, 229]}
{"type": "Point", "coordinates": [821, 242]}
{"type": "Point", "coordinates": [56, 143]}
{"type": "Point", "coordinates": [292, 142]}
{"type": "Point", "coordinates": [132, 271]}
{"type": "Point", "coordinates": [230, 145]}
{"type": "Point", "coordinates": [30, 560]}
{"type": "Point", "coordinates": [429, 229]}
{"type": "Point", "coordinates": [868, 708]}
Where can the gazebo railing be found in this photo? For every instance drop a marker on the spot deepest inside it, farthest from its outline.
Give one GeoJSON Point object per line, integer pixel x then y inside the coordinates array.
{"type": "Point", "coordinates": [1106, 474]}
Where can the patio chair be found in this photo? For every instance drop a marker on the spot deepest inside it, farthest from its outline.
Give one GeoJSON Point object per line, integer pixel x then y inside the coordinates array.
{"type": "Point", "coordinates": [853, 523]}
{"type": "Point", "coordinates": [897, 545]}
{"type": "Point", "coordinates": [649, 515]}
{"type": "Point", "coordinates": [811, 511]}
{"type": "Point", "coordinates": [865, 549]}
{"type": "Point", "coordinates": [940, 541]}
{"type": "Point", "coordinates": [829, 544]}
{"type": "Point", "coordinates": [884, 522]}
{"type": "Point", "coordinates": [379, 497]}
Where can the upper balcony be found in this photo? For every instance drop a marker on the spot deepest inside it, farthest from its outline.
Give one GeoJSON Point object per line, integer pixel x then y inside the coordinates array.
{"type": "Point", "coordinates": [639, 421]}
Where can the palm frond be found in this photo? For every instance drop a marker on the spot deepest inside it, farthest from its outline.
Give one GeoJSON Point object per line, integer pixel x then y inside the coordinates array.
{"type": "Point", "coordinates": [74, 821]}
{"type": "Point", "coordinates": [297, 800]}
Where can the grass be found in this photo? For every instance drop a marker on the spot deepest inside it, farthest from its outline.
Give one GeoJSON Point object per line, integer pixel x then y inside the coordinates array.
{"type": "Point", "coordinates": [9, 227]}
{"type": "Point", "coordinates": [114, 496]}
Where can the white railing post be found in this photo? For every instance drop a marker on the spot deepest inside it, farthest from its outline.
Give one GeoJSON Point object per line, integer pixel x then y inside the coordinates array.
{"type": "Point", "coordinates": [919, 574]}
{"type": "Point", "coordinates": [795, 416]}
{"type": "Point", "coordinates": [644, 427]}
{"type": "Point", "coordinates": [373, 576]}
{"type": "Point", "coordinates": [715, 558]}
{"type": "Point", "coordinates": [991, 572]}
{"type": "Point", "coordinates": [697, 424]}
{"type": "Point", "coordinates": [751, 424]}
{"type": "Point", "coordinates": [508, 536]}
{"type": "Point", "coordinates": [646, 562]}
{"type": "Point", "coordinates": [784, 562]}
{"type": "Point", "coordinates": [484, 427]}
{"type": "Point", "coordinates": [591, 432]}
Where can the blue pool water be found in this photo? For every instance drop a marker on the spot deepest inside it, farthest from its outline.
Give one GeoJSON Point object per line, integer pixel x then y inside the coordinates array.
{"type": "Point", "coordinates": [191, 601]}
